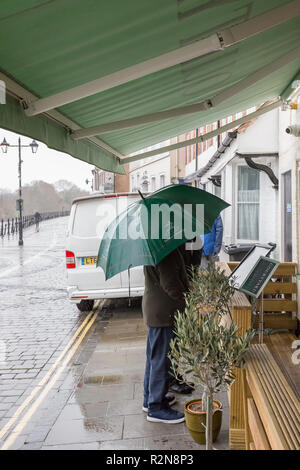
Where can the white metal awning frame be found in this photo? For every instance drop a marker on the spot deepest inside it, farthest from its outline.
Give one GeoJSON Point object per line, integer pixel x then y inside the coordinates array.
{"type": "Point", "coordinates": [208, 136]}
{"type": "Point", "coordinates": [215, 42]}
{"type": "Point", "coordinates": [194, 108]}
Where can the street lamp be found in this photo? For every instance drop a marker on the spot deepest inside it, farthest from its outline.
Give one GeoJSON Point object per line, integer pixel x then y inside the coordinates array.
{"type": "Point", "coordinates": [4, 146]}
{"type": "Point", "coordinates": [34, 147]}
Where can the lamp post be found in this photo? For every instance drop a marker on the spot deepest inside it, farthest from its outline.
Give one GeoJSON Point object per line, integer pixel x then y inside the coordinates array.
{"type": "Point", "coordinates": [34, 147]}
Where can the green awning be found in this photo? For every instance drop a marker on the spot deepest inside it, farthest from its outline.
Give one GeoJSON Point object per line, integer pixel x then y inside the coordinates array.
{"type": "Point", "coordinates": [54, 46]}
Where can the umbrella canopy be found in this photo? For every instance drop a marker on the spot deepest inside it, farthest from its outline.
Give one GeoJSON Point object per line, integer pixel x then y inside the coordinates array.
{"type": "Point", "coordinates": [110, 61]}
{"type": "Point", "coordinates": [151, 228]}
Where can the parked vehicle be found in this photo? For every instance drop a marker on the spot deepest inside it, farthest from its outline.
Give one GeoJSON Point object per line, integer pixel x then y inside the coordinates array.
{"type": "Point", "coordinates": [88, 221]}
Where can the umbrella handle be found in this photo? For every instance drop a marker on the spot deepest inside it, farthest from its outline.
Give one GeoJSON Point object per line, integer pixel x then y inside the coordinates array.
{"type": "Point", "coordinates": [140, 194]}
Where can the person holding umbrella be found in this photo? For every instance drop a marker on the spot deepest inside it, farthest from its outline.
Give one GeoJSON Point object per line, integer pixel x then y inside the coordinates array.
{"type": "Point", "coordinates": [149, 233]}
{"type": "Point", "coordinates": [165, 285]}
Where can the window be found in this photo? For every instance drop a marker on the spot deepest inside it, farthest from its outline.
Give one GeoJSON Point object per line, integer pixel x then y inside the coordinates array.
{"type": "Point", "coordinates": [248, 204]}
{"type": "Point", "coordinates": [217, 191]}
{"type": "Point", "coordinates": [153, 183]}
{"type": "Point", "coordinates": [162, 181]}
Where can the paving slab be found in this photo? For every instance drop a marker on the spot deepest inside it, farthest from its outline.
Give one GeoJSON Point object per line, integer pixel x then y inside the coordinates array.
{"type": "Point", "coordinates": [137, 426]}
{"type": "Point", "coordinates": [88, 430]}
{"type": "Point", "coordinates": [124, 444]}
{"type": "Point", "coordinates": [124, 407]}
{"type": "Point", "coordinates": [102, 393]}
{"type": "Point", "coordinates": [85, 446]}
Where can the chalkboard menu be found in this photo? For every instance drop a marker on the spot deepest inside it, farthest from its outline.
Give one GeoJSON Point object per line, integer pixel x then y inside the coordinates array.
{"type": "Point", "coordinates": [259, 275]}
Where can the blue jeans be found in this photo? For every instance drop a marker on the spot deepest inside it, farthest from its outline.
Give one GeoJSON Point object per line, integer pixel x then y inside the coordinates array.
{"type": "Point", "coordinates": [157, 377]}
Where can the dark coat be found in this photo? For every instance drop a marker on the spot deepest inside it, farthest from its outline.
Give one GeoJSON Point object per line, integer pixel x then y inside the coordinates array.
{"type": "Point", "coordinates": [165, 285]}
{"type": "Point", "coordinates": [192, 258]}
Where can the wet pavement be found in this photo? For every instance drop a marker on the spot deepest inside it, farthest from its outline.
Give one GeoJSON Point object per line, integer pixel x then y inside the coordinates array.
{"type": "Point", "coordinates": [92, 401]}
{"type": "Point", "coordinates": [105, 411]}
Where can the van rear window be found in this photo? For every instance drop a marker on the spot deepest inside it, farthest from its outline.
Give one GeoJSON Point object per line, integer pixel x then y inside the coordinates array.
{"type": "Point", "coordinates": [93, 216]}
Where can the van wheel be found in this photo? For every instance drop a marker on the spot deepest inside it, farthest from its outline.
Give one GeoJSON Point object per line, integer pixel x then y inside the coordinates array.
{"type": "Point", "coordinates": [85, 305]}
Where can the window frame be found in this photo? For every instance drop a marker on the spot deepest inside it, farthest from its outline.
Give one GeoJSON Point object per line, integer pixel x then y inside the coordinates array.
{"type": "Point", "coordinates": [245, 240]}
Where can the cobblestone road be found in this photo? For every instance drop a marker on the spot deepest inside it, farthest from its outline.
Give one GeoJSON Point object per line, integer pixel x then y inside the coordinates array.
{"type": "Point", "coordinates": [36, 319]}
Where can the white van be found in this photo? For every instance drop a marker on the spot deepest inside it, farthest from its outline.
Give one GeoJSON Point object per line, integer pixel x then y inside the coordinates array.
{"type": "Point", "coordinates": [89, 219]}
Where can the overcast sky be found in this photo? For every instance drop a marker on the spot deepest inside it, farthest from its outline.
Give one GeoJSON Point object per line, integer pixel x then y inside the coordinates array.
{"type": "Point", "coordinates": [47, 165]}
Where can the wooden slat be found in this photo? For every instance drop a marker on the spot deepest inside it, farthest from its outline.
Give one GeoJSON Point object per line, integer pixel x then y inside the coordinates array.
{"type": "Point", "coordinates": [247, 394]}
{"type": "Point", "coordinates": [237, 439]}
{"type": "Point", "coordinates": [241, 316]}
{"type": "Point", "coordinates": [281, 321]}
{"type": "Point", "coordinates": [268, 417]}
{"type": "Point", "coordinates": [280, 345]}
{"type": "Point", "coordinates": [278, 407]}
{"type": "Point", "coordinates": [280, 288]}
{"type": "Point", "coordinates": [280, 305]}
{"type": "Point", "coordinates": [287, 411]}
{"type": "Point", "coordinates": [284, 269]}
{"type": "Point", "coordinates": [257, 430]}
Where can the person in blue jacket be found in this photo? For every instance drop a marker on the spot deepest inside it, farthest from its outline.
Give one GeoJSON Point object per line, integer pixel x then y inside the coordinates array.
{"type": "Point", "coordinates": [212, 243]}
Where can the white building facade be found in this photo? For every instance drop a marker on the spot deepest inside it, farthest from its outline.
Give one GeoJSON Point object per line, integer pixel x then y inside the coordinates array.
{"type": "Point", "coordinates": [265, 196]}
{"type": "Point", "coordinates": [252, 194]}
{"type": "Point", "coordinates": [151, 173]}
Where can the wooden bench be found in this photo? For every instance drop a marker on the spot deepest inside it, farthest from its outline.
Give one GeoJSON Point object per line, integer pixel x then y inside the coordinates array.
{"type": "Point", "coordinates": [249, 426]}
{"type": "Point", "coordinates": [271, 408]}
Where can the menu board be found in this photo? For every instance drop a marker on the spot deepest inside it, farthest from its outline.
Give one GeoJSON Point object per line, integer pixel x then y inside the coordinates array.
{"type": "Point", "coordinates": [259, 276]}
{"type": "Point", "coordinates": [254, 272]}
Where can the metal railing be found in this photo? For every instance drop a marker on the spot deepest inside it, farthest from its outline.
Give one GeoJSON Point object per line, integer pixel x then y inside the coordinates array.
{"type": "Point", "coordinates": [11, 226]}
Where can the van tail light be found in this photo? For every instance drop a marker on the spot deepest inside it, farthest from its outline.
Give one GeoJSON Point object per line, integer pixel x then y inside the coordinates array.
{"type": "Point", "coordinates": [70, 260]}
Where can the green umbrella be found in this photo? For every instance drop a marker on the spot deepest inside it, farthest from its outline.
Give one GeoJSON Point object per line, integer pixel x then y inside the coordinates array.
{"type": "Point", "coordinates": [148, 230]}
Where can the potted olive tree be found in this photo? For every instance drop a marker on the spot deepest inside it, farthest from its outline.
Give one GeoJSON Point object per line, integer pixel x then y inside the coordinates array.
{"type": "Point", "coordinates": [205, 350]}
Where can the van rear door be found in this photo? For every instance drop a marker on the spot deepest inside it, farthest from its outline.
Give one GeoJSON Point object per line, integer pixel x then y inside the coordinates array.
{"type": "Point", "coordinates": [91, 219]}
{"type": "Point", "coordinates": [136, 273]}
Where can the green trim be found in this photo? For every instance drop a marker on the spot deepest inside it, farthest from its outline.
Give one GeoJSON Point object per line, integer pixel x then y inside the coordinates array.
{"type": "Point", "coordinates": [43, 129]}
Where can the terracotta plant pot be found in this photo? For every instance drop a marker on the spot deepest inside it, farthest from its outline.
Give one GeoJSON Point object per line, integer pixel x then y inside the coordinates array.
{"type": "Point", "coordinates": [195, 418]}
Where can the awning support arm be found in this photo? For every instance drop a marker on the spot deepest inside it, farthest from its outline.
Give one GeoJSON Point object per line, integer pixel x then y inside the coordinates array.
{"type": "Point", "coordinates": [203, 138]}
{"type": "Point", "coordinates": [215, 42]}
{"type": "Point", "coordinates": [194, 108]}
